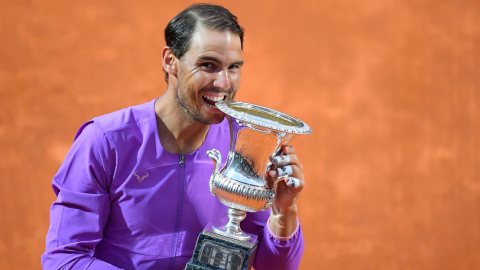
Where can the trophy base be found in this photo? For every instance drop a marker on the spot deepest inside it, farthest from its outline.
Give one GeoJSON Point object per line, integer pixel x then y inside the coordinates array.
{"type": "Point", "coordinates": [215, 251]}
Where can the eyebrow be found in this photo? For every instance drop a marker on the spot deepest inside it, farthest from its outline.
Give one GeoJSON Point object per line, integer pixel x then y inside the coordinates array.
{"type": "Point", "coordinates": [213, 59]}
{"type": "Point", "coordinates": [240, 63]}
{"type": "Point", "coordinates": [208, 58]}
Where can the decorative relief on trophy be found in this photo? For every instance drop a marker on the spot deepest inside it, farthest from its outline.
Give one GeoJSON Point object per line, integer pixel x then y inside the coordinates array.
{"type": "Point", "coordinates": [222, 256]}
{"type": "Point", "coordinates": [256, 136]}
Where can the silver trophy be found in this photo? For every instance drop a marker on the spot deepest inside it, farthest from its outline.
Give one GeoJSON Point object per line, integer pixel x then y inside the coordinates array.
{"type": "Point", "coordinates": [241, 184]}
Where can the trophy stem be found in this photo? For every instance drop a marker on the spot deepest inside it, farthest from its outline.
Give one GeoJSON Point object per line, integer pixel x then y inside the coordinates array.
{"type": "Point", "coordinates": [232, 229]}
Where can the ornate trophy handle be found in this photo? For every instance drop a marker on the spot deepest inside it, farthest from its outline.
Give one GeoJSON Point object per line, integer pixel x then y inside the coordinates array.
{"type": "Point", "coordinates": [216, 157]}
{"type": "Point", "coordinates": [275, 184]}
{"type": "Point", "coordinates": [274, 194]}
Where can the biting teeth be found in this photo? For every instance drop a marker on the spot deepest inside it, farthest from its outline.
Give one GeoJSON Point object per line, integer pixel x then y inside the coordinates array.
{"type": "Point", "coordinates": [214, 98]}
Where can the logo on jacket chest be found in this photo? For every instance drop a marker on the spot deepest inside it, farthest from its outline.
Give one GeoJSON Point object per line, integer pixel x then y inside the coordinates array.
{"type": "Point", "coordinates": [140, 176]}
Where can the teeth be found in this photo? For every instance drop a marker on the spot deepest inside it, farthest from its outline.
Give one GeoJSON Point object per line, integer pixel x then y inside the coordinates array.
{"type": "Point", "coordinates": [214, 98]}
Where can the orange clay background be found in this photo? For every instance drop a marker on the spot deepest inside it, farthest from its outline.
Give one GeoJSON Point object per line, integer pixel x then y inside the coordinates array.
{"type": "Point", "coordinates": [390, 88]}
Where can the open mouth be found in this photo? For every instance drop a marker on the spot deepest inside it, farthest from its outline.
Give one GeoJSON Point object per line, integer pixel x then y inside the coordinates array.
{"type": "Point", "coordinates": [211, 100]}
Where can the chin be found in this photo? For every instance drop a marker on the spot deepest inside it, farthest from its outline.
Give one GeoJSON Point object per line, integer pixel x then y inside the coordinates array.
{"type": "Point", "coordinates": [217, 119]}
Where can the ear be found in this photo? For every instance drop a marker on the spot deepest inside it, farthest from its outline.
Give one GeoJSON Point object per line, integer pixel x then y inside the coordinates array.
{"type": "Point", "coordinates": [170, 61]}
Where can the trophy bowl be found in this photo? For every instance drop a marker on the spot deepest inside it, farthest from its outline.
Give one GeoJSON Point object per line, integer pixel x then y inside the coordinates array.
{"type": "Point", "coordinates": [256, 135]}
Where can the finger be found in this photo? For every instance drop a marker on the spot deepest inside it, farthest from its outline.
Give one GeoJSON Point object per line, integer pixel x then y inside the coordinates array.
{"type": "Point", "coordinates": [289, 170]}
{"type": "Point", "coordinates": [288, 149]}
{"type": "Point", "coordinates": [285, 149]}
{"type": "Point", "coordinates": [285, 170]}
{"type": "Point", "coordinates": [273, 174]}
{"type": "Point", "coordinates": [293, 182]}
{"type": "Point", "coordinates": [281, 160]}
{"type": "Point", "coordinates": [277, 173]}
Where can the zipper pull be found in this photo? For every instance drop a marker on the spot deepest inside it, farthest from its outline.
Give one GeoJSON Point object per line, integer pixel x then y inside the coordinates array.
{"type": "Point", "coordinates": [182, 161]}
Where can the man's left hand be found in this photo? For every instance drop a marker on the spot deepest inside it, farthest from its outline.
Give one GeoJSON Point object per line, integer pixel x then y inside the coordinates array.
{"type": "Point", "coordinates": [283, 218]}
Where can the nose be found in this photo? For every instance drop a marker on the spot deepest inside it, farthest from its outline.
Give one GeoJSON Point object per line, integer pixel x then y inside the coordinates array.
{"type": "Point", "coordinates": [222, 80]}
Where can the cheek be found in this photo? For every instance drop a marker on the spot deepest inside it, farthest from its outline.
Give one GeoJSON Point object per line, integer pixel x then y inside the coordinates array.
{"type": "Point", "coordinates": [201, 80]}
{"type": "Point", "coordinates": [235, 81]}
{"type": "Point", "coordinates": [235, 78]}
{"type": "Point", "coordinates": [239, 79]}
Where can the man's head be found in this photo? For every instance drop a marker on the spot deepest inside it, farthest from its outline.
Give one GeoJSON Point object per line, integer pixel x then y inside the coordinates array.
{"type": "Point", "coordinates": [181, 28]}
{"type": "Point", "coordinates": [202, 61]}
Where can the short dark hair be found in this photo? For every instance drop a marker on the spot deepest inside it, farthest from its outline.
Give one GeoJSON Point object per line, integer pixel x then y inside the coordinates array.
{"type": "Point", "coordinates": [180, 29]}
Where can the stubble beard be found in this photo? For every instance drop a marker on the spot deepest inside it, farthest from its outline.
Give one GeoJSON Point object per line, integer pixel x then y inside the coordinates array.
{"type": "Point", "coordinates": [188, 112]}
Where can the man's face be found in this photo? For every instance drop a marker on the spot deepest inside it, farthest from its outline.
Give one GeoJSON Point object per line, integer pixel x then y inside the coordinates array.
{"type": "Point", "coordinates": [209, 71]}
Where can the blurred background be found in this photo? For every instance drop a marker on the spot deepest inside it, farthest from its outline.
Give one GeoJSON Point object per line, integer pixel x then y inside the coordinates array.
{"type": "Point", "coordinates": [391, 89]}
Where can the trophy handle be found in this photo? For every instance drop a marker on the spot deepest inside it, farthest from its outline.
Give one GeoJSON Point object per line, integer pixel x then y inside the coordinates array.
{"type": "Point", "coordinates": [275, 184]}
{"type": "Point", "coordinates": [274, 193]}
{"type": "Point", "coordinates": [216, 157]}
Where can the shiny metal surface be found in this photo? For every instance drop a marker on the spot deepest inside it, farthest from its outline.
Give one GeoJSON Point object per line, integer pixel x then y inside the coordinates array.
{"type": "Point", "coordinates": [264, 117]}
{"type": "Point", "coordinates": [232, 228]}
{"type": "Point", "coordinates": [256, 137]}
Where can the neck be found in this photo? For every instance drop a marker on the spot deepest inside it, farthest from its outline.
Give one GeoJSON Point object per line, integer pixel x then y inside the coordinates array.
{"type": "Point", "coordinates": [178, 132]}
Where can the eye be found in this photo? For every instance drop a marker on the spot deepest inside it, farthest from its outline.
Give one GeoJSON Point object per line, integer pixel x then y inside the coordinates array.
{"type": "Point", "coordinates": [207, 65]}
{"type": "Point", "coordinates": [235, 66]}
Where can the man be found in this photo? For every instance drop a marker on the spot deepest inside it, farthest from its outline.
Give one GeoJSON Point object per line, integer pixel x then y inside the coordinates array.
{"type": "Point", "coordinates": [133, 191]}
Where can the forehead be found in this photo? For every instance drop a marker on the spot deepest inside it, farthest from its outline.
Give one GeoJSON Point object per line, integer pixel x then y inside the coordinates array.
{"type": "Point", "coordinates": [215, 43]}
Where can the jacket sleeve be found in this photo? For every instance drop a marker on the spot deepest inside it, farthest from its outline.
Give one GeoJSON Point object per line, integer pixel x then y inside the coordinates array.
{"type": "Point", "coordinates": [274, 252]}
{"type": "Point", "coordinates": [79, 215]}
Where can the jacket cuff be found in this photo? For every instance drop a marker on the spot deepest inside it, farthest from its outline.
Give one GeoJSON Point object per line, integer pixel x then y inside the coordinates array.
{"type": "Point", "coordinates": [280, 238]}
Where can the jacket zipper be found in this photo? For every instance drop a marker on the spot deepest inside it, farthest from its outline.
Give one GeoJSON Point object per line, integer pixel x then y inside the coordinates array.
{"type": "Point", "coordinates": [181, 163]}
